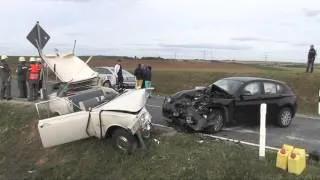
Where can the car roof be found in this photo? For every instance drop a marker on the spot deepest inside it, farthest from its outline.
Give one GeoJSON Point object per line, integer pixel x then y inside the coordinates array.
{"type": "Point", "coordinates": [251, 78]}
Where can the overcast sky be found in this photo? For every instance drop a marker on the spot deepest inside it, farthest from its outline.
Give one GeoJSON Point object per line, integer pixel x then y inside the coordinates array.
{"type": "Point", "coordinates": [219, 29]}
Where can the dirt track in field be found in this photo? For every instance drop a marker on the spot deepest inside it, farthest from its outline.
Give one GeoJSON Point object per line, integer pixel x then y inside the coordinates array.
{"type": "Point", "coordinates": [179, 65]}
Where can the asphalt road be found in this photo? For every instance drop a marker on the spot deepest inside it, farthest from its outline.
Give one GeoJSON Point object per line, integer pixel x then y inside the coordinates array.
{"type": "Point", "coordinates": [304, 131]}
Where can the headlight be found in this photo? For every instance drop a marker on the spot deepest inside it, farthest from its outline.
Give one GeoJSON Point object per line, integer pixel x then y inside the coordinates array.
{"type": "Point", "coordinates": [168, 99]}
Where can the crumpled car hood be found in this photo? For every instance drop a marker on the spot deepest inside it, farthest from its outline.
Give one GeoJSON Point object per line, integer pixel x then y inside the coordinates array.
{"type": "Point", "coordinates": [69, 68]}
{"type": "Point", "coordinates": [131, 101]}
{"type": "Point", "coordinates": [202, 90]}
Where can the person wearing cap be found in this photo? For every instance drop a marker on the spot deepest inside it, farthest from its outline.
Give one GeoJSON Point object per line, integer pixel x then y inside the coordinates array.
{"type": "Point", "coordinates": [22, 73]}
{"type": "Point", "coordinates": [34, 76]}
{"type": "Point", "coordinates": [5, 74]}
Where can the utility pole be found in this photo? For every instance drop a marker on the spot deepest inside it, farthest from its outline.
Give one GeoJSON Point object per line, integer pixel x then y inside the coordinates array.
{"type": "Point", "coordinates": [265, 57]}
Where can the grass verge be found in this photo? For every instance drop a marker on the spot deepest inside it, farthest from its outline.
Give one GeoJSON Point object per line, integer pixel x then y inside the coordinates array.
{"type": "Point", "coordinates": [175, 157]}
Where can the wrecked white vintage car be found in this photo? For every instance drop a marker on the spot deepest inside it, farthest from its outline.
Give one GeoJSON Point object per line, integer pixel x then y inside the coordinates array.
{"type": "Point", "coordinates": [81, 109]}
{"type": "Point", "coordinates": [123, 118]}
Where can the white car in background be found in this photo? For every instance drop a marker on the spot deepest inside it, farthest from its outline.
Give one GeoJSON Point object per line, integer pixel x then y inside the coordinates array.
{"type": "Point", "coordinates": [107, 77]}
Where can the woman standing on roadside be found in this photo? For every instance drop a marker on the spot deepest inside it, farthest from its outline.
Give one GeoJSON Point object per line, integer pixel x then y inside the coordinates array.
{"type": "Point", "coordinates": [148, 76]}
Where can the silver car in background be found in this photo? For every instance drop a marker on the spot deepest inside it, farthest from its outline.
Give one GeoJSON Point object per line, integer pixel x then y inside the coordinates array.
{"type": "Point", "coordinates": [107, 77]}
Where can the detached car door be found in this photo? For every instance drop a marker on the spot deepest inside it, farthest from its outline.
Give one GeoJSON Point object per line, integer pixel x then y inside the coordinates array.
{"type": "Point", "coordinates": [63, 129]}
{"type": "Point", "coordinates": [247, 105]}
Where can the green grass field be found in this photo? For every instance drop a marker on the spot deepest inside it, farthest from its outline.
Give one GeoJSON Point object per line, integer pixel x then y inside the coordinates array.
{"type": "Point", "coordinates": [176, 157]}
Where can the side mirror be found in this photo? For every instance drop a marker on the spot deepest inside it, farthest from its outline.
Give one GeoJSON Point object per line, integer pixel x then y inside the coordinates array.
{"type": "Point", "coordinates": [246, 93]}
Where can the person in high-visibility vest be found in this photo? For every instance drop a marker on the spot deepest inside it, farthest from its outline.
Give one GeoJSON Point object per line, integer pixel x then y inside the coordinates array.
{"type": "Point", "coordinates": [34, 76]}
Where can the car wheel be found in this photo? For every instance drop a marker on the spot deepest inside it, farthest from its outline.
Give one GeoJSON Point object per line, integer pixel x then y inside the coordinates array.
{"type": "Point", "coordinates": [285, 117]}
{"type": "Point", "coordinates": [107, 84]}
{"type": "Point", "coordinates": [124, 141]}
{"type": "Point", "coordinates": [219, 122]}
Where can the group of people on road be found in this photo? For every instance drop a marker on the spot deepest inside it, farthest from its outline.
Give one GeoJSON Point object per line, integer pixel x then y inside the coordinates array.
{"type": "Point", "coordinates": [143, 75]}
{"type": "Point", "coordinates": [27, 76]}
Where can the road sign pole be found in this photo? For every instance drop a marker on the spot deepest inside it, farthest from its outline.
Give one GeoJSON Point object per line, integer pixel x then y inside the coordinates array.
{"type": "Point", "coordinates": [262, 147]}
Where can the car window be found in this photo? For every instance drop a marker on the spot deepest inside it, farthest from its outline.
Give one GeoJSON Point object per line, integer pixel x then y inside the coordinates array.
{"type": "Point", "coordinates": [280, 88]}
{"type": "Point", "coordinates": [231, 86]}
{"type": "Point", "coordinates": [106, 71]}
{"type": "Point", "coordinates": [253, 88]}
{"type": "Point", "coordinates": [270, 88]}
{"type": "Point", "coordinates": [97, 70]}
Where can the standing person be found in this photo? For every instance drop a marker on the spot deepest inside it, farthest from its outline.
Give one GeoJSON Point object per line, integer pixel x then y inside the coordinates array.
{"type": "Point", "coordinates": [311, 57]}
{"type": "Point", "coordinates": [38, 60]}
{"type": "Point", "coordinates": [118, 74]}
{"type": "Point", "coordinates": [148, 76]}
{"type": "Point", "coordinates": [22, 73]}
{"type": "Point", "coordinates": [34, 76]}
{"type": "Point", "coordinates": [139, 73]}
{"type": "Point", "coordinates": [5, 74]}
{"type": "Point", "coordinates": [143, 75]}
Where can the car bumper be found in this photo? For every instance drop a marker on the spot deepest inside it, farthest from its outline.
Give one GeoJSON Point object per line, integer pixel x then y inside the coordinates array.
{"type": "Point", "coordinates": [170, 113]}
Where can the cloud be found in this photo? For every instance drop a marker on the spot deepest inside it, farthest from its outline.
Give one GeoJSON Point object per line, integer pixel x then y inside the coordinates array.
{"type": "Point", "coordinates": [311, 13]}
{"type": "Point", "coordinates": [76, 1]}
{"type": "Point", "coordinates": [257, 39]}
{"type": "Point", "coordinates": [207, 46]}
{"type": "Point", "coordinates": [248, 39]}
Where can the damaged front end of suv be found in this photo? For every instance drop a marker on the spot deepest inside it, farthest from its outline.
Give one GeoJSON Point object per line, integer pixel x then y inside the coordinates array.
{"type": "Point", "coordinates": [201, 109]}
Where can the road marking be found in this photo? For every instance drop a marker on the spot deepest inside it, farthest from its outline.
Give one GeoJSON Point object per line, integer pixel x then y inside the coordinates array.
{"type": "Point", "coordinates": [226, 139]}
{"type": "Point", "coordinates": [312, 141]}
{"type": "Point", "coordinates": [238, 141]}
{"type": "Point", "coordinates": [245, 131]}
{"type": "Point", "coordinates": [150, 105]}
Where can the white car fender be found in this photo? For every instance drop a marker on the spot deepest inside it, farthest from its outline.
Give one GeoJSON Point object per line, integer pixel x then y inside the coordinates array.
{"type": "Point", "coordinates": [109, 119]}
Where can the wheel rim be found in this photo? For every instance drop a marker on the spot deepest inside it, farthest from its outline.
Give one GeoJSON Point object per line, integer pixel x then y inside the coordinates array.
{"type": "Point", "coordinates": [122, 143]}
{"type": "Point", "coordinates": [285, 117]}
{"type": "Point", "coordinates": [219, 122]}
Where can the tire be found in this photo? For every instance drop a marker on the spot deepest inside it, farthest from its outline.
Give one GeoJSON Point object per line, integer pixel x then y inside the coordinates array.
{"type": "Point", "coordinates": [107, 84]}
{"type": "Point", "coordinates": [284, 118]}
{"type": "Point", "coordinates": [124, 141]}
{"type": "Point", "coordinates": [220, 118]}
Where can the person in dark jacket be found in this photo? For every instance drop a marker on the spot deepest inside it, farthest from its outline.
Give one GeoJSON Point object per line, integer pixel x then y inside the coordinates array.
{"type": "Point", "coordinates": [311, 57]}
{"type": "Point", "coordinates": [5, 74]}
{"type": "Point", "coordinates": [138, 72]}
{"type": "Point", "coordinates": [148, 76]}
{"type": "Point", "coordinates": [143, 70]}
{"type": "Point", "coordinates": [22, 73]}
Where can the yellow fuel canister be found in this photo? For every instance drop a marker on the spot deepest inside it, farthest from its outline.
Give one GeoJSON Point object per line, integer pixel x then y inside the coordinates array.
{"type": "Point", "coordinates": [282, 156]}
{"type": "Point", "coordinates": [297, 161]}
